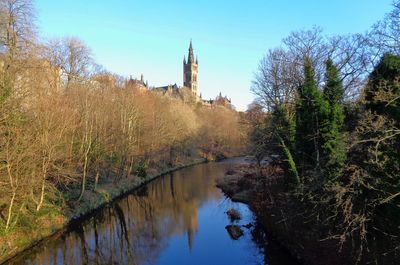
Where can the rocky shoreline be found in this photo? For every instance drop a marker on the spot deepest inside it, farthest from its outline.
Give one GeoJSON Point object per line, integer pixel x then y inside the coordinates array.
{"type": "Point", "coordinates": [264, 190]}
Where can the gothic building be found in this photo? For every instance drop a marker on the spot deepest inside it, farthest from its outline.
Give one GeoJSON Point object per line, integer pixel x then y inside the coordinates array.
{"type": "Point", "coordinates": [190, 71]}
{"type": "Point", "coordinates": [135, 83]}
{"type": "Point", "coordinates": [190, 85]}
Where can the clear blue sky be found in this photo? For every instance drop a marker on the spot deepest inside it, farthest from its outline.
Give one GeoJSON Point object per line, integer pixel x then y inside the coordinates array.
{"type": "Point", "coordinates": [229, 36]}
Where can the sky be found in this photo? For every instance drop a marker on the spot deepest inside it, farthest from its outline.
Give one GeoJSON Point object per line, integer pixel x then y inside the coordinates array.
{"type": "Point", "coordinates": [230, 37]}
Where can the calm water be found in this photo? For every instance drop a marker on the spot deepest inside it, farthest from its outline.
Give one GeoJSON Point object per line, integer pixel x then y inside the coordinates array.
{"type": "Point", "coordinates": [177, 219]}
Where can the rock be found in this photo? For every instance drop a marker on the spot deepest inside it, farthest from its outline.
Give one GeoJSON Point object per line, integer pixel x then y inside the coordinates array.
{"type": "Point", "coordinates": [233, 214]}
{"type": "Point", "coordinates": [234, 231]}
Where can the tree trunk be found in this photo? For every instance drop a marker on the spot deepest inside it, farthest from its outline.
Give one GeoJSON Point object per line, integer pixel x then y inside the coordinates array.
{"type": "Point", "coordinates": [13, 188]}
{"type": "Point", "coordinates": [44, 168]}
{"type": "Point", "coordinates": [10, 210]}
{"type": "Point", "coordinates": [84, 175]}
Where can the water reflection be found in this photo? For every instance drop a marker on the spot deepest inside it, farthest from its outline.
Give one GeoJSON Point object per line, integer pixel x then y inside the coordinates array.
{"type": "Point", "coordinates": [177, 219]}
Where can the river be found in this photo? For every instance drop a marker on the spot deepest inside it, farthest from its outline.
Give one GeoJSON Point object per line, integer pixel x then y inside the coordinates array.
{"type": "Point", "coordinates": [179, 218]}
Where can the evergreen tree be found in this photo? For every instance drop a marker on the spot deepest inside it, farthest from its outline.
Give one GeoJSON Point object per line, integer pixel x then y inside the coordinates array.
{"type": "Point", "coordinates": [382, 96]}
{"type": "Point", "coordinates": [309, 106]}
{"type": "Point", "coordinates": [332, 119]}
{"type": "Point", "coordinates": [372, 177]}
{"type": "Point", "coordinates": [382, 93]}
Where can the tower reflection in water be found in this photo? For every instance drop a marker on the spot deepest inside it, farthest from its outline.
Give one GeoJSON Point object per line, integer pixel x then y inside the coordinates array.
{"type": "Point", "coordinates": [176, 219]}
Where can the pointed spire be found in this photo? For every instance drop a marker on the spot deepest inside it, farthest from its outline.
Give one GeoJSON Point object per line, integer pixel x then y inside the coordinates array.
{"type": "Point", "coordinates": [141, 78]}
{"type": "Point", "coordinates": [197, 60]}
{"type": "Point", "coordinates": [191, 56]}
{"type": "Point", "coordinates": [184, 59]}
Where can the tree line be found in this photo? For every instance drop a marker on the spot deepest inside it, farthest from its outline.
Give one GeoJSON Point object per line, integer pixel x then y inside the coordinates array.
{"type": "Point", "coordinates": [67, 125]}
{"type": "Point", "coordinates": [329, 106]}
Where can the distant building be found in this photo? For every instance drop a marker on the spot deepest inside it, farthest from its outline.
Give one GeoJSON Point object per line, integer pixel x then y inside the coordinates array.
{"type": "Point", "coordinates": [170, 90]}
{"type": "Point", "coordinates": [223, 101]}
{"type": "Point", "coordinates": [218, 101]}
{"type": "Point", "coordinates": [135, 83]}
{"type": "Point", "coordinates": [190, 85]}
{"type": "Point", "coordinates": [104, 81]}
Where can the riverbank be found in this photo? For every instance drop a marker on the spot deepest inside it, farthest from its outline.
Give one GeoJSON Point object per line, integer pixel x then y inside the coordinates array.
{"type": "Point", "coordinates": [175, 219]}
{"type": "Point", "coordinates": [287, 221]}
{"type": "Point", "coordinates": [93, 200]}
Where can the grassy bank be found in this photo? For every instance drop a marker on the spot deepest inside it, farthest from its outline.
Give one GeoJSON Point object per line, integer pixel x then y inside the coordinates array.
{"type": "Point", "coordinates": [59, 218]}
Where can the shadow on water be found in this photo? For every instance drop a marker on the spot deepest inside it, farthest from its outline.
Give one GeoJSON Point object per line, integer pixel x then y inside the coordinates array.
{"type": "Point", "coordinates": [177, 219]}
{"type": "Point", "coordinates": [273, 252]}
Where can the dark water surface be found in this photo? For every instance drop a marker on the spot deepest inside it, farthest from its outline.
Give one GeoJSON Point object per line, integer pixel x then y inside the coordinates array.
{"type": "Point", "coordinates": [177, 219]}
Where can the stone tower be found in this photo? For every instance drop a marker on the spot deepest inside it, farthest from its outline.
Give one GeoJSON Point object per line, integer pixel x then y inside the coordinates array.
{"type": "Point", "coordinates": [190, 71]}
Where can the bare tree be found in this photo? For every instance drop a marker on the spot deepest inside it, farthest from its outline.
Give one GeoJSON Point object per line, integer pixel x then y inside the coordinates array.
{"type": "Point", "coordinates": [276, 79]}
{"type": "Point", "coordinates": [17, 27]}
{"type": "Point", "coordinates": [17, 36]}
{"type": "Point", "coordinates": [280, 72]}
{"type": "Point", "coordinates": [354, 60]}
{"type": "Point", "coordinates": [385, 35]}
{"type": "Point", "coordinates": [310, 44]}
{"type": "Point", "coordinates": [73, 57]}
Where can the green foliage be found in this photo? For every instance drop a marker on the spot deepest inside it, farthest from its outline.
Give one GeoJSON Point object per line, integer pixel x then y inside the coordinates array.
{"type": "Point", "coordinates": [5, 89]}
{"type": "Point", "coordinates": [284, 125]}
{"type": "Point", "coordinates": [265, 138]}
{"type": "Point", "coordinates": [346, 156]}
{"type": "Point", "coordinates": [382, 93]}
{"type": "Point", "coordinates": [310, 106]}
{"type": "Point", "coordinates": [284, 133]}
{"type": "Point", "coordinates": [295, 180]}
{"type": "Point", "coordinates": [332, 119]}
{"type": "Point", "coordinates": [140, 169]}
{"type": "Point", "coordinates": [368, 191]}
{"type": "Point", "coordinates": [382, 96]}
{"type": "Point", "coordinates": [333, 90]}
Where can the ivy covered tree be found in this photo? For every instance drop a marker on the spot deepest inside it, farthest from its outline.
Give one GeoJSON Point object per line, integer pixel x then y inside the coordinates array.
{"type": "Point", "coordinates": [310, 106]}
{"type": "Point", "coordinates": [284, 138]}
{"type": "Point", "coordinates": [333, 146]}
